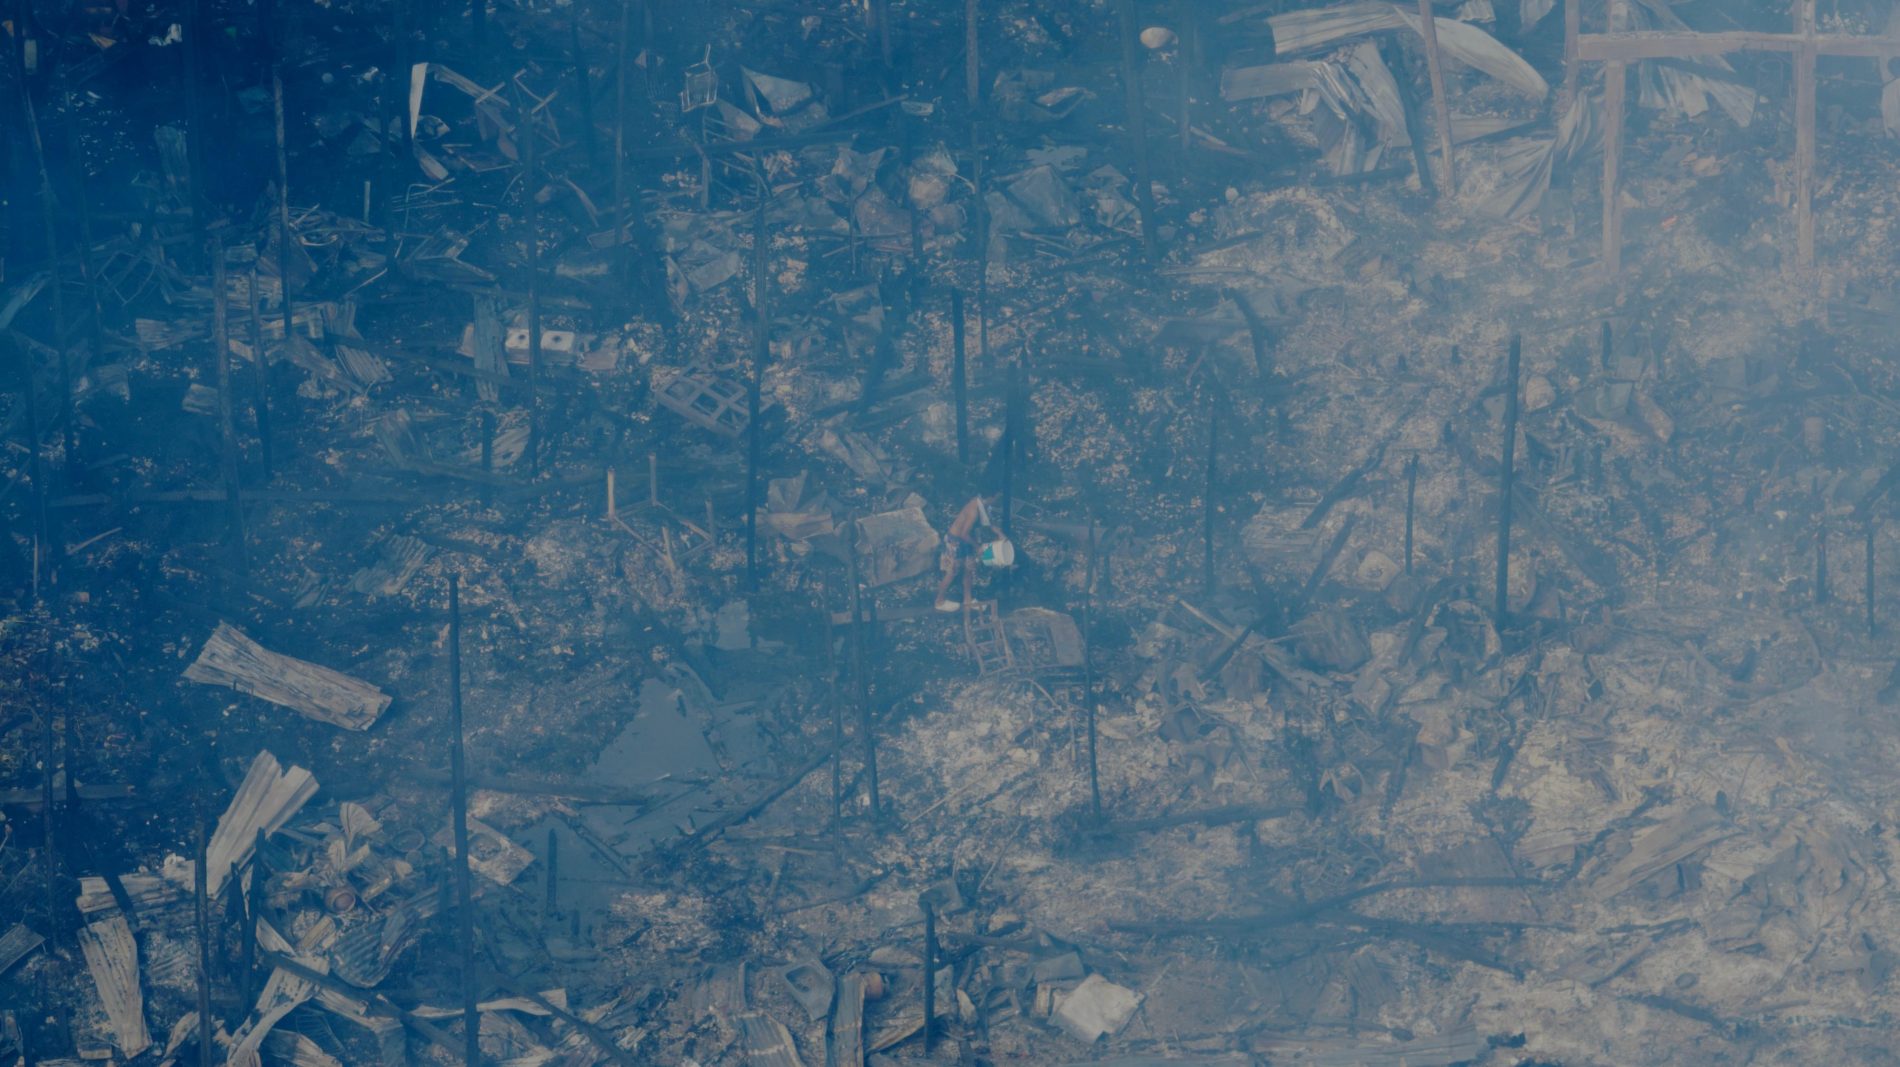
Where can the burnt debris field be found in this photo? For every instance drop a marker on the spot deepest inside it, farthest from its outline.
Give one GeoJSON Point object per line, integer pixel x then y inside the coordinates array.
{"type": "Point", "coordinates": [815, 533]}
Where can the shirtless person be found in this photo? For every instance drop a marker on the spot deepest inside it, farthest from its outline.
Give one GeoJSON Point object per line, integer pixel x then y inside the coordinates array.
{"type": "Point", "coordinates": [960, 547]}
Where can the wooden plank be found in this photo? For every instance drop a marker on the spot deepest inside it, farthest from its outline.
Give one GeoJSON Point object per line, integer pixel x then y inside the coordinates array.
{"type": "Point", "coordinates": [847, 1023]}
{"type": "Point", "coordinates": [16, 944]}
{"type": "Point", "coordinates": [113, 958]}
{"type": "Point", "coordinates": [265, 801]}
{"type": "Point", "coordinates": [767, 1042]}
{"type": "Point", "coordinates": [231, 659]}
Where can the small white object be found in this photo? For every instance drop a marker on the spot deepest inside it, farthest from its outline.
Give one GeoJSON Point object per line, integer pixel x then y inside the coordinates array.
{"type": "Point", "coordinates": [1155, 38]}
{"type": "Point", "coordinates": [1096, 1007]}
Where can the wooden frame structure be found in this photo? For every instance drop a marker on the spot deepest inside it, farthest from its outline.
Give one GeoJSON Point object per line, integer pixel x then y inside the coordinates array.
{"type": "Point", "coordinates": [1620, 47]}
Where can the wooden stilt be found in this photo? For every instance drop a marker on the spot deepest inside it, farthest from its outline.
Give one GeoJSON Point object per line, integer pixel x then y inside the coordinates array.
{"type": "Point", "coordinates": [1441, 103]}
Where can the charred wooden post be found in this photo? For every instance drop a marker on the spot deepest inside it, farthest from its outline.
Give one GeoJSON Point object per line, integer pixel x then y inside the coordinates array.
{"type": "Point", "coordinates": [227, 425]}
{"type": "Point", "coordinates": [531, 186]}
{"type": "Point", "coordinates": [285, 307]}
{"type": "Point", "coordinates": [1804, 122]}
{"type": "Point", "coordinates": [553, 903]}
{"type": "Point", "coordinates": [1506, 474]}
{"type": "Point", "coordinates": [761, 349]}
{"type": "Point", "coordinates": [860, 667]}
{"type": "Point", "coordinates": [1136, 108]}
{"type": "Point", "coordinates": [260, 377]}
{"type": "Point", "coordinates": [45, 547]}
{"type": "Point", "coordinates": [1207, 498]}
{"type": "Point", "coordinates": [624, 258]}
{"type": "Point", "coordinates": [837, 717]}
{"type": "Point", "coordinates": [201, 913]}
{"type": "Point", "coordinates": [1012, 418]}
{"type": "Point", "coordinates": [1411, 500]}
{"type": "Point", "coordinates": [1615, 84]}
{"type": "Point", "coordinates": [590, 137]}
{"type": "Point", "coordinates": [1871, 626]}
{"type": "Point", "coordinates": [972, 56]}
{"type": "Point", "coordinates": [49, 852]}
{"type": "Point", "coordinates": [1441, 104]}
{"type": "Point", "coordinates": [1820, 565]}
{"type": "Point", "coordinates": [1414, 128]}
{"type": "Point", "coordinates": [960, 383]}
{"type": "Point", "coordinates": [930, 970]}
{"type": "Point", "coordinates": [88, 270]}
{"type": "Point", "coordinates": [458, 774]}
{"type": "Point", "coordinates": [1088, 669]}
{"type": "Point", "coordinates": [1573, 28]}
{"type": "Point", "coordinates": [48, 218]}
{"type": "Point", "coordinates": [1605, 347]}
{"type": "Point", "coordinates": [488, 456]}
{"type": "Point", "coordinates": [982, 243]}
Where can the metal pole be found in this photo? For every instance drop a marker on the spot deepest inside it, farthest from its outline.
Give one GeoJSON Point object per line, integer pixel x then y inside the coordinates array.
{"type": "Point", "coordinates": [464, 892]}
{"type": "Point", "coordinates": [1871, 627]}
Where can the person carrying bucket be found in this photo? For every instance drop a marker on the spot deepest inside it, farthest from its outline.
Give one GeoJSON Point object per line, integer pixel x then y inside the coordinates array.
{"type": "Point", "coordinates": [963, 551]}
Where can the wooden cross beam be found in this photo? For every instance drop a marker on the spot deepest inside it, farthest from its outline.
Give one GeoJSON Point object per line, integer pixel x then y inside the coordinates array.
{"type": "Point", "coordinates": [1618, 48]}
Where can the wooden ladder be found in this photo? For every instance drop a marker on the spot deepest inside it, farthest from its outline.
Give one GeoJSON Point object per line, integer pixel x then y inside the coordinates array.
{"type": "Point", "coordinates": [989, 644]}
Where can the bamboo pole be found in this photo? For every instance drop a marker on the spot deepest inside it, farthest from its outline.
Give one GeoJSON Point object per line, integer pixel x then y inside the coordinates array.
{"type": "Point", "coordinates": [464, 892]}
